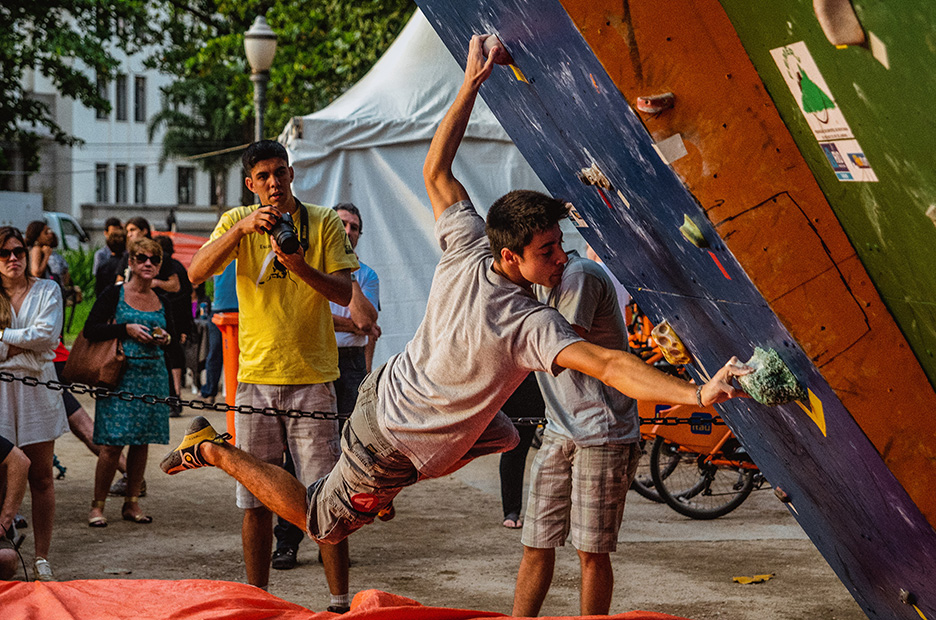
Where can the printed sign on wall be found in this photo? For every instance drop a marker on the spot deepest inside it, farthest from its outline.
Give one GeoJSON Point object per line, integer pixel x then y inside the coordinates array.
{"type": "Point", "coordinates": [823, 115]}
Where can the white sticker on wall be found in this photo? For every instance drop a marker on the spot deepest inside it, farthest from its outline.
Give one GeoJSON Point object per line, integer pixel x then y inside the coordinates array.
{"type": "Point", "coordinates": [671, 149]}
{"type": "Point", "coordinates": [879, 50]}
{"type": "Point", "coordinates": [822, 113]}
{"type": "Point", "coordinates": [811, 92]}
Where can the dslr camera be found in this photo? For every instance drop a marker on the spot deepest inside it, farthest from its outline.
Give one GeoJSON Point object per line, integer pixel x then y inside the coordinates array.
{"type": "Point", "coordinates": [284, 231]}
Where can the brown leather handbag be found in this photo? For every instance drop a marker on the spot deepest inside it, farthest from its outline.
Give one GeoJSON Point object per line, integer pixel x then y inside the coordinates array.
{"type": "Point", "coordinates": [99, 364]}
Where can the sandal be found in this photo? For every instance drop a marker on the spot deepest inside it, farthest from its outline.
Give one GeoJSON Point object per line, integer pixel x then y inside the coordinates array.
{"type": "Point", "coordinates": [136, 518]}
{"type": "Point", "coordinates": [99, 521]}
{"type": "Point", "coordinates": [513, 521]}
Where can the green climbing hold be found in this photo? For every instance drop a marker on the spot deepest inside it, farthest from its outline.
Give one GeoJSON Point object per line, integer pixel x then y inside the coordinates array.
{"type": "Point", "coordinates": [772, 383]}
{"type": "Point", "coordinates": [692, 233]}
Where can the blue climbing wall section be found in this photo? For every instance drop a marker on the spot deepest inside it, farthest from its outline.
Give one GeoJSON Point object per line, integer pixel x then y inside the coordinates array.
{"type": "Point", "coordinates": [567, 115]}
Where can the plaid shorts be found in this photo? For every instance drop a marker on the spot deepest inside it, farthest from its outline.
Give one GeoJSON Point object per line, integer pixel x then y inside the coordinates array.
{"type": "Point", "coordinates": [581, 490]}
{"type": "Point", "coordinates": [312, 443]}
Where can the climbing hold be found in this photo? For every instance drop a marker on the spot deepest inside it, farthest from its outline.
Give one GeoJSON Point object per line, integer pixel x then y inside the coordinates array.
{"type": "Point", "coordinates": [575, 216]}
{"type": "Point", "coordinates": [839, 22]}
{"type": "Point", "coordinates": [519, 74]}
{"type": "Point", "coordinates": [692, 233]}
{"type": "Point", "coordinates": [654, 104]}
{"type": "Point", "coordinates": [503, 57]}
{"type": "Point", "coordinates": [931, 213]}
{"type": "Point", "coordinates": [782, 495]}
{"type": "Point", "coordinates": [672, 347]}
{"type": "Point", "coordinates": [594, 176]}
{"type": "Point", "coordinates": [772, 383]}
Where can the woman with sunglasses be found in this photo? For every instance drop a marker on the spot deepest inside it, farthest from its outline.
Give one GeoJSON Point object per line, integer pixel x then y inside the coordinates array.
{"type": "Point", "coordinates": [139, 317]}
{"type": "Point", "coordinates": [32, 417]}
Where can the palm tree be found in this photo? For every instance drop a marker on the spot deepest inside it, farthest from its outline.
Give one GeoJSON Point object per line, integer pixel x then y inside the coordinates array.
{"type": "Point", "coordinates": [201, 125]}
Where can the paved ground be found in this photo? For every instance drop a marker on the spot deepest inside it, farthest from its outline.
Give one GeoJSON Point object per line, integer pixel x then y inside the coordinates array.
{"type": "Point", "coordinates": [447, 548]}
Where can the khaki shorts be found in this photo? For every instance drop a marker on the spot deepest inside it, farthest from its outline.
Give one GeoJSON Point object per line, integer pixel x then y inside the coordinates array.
{"type": "Point", "coordinates": [369, 474]}
{"type": "Point", "coordinates": [581, 490]}
{"type": "Point", "coordinates": [312, 443]}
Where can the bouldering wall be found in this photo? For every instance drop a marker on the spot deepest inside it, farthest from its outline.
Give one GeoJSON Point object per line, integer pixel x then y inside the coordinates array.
{"type": "Point", "coordinates": [651, 119]}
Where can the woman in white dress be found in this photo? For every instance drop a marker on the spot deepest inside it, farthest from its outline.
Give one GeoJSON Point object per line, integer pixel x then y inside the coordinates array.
{"type": "Point", "coordinates": [32, 417]}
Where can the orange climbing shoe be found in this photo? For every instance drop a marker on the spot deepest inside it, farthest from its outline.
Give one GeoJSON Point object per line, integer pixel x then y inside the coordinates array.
{"type": "Point", "coordinates": [187, 455]}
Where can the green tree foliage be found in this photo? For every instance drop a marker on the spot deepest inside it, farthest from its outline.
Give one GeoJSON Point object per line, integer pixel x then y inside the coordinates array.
{"type": "Point", "coordinates": [68, 42]}
{"type": "Point", "coordinates": [323, 47]}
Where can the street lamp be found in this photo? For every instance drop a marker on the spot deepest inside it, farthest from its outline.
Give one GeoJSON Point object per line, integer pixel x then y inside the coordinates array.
{"type": "Point", "coordinates": [260, 46]}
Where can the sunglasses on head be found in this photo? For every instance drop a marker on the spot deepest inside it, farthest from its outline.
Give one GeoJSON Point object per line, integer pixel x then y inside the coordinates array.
{"type": "Point", "coordinates": [19, 253]}
{"type": "Point", "coordinates": [142, 258]}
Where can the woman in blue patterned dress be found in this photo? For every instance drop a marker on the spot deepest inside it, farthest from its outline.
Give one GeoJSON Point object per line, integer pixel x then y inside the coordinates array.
{"type": "Point", "coordinates": [136, 314]}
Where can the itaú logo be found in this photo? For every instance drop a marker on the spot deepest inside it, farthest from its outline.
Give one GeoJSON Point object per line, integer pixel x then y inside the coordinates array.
{"type": "Point", "coordinates": [701, 423]}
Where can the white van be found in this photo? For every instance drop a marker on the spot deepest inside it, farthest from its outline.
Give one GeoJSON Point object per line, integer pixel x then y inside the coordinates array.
{"type": "Point", "coordinates": [20, 208]}
{"type": "Point", "coordinates": [70, 233]}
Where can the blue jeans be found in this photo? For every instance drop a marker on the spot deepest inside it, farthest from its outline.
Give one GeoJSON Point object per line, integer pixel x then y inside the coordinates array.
{"type": "Point", "coordinates": [214, 363]}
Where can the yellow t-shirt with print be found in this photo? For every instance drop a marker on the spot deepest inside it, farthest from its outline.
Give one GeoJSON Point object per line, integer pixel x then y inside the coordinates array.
{"type": "Point", "coordinates": [286, 334]}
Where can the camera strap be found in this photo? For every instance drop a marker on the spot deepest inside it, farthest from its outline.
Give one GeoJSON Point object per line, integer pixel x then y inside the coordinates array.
{"type": "Point", "coordinates": [303, 225]}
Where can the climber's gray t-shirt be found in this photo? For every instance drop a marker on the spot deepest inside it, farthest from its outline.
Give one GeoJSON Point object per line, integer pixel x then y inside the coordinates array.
{"type": "Point", "coordinates": [481, 336]}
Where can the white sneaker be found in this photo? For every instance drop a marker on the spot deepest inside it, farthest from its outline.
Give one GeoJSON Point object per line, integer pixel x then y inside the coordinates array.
{"type": "Point", "coordinates": [42, 570]}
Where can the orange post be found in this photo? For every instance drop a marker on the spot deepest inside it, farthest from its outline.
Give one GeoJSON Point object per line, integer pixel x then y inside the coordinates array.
{"type": "Point", "coordinates": [227, 322]}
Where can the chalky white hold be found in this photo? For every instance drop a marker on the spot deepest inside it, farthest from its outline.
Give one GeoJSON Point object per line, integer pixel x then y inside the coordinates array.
{"type": "Point", "coordinates": [502, 58]}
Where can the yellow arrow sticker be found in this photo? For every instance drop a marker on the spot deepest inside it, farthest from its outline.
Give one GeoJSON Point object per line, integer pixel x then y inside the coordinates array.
{"type": "Point", "coordinates": [519, 74]}
{"type": "Point", "coordinates": [814, 411]}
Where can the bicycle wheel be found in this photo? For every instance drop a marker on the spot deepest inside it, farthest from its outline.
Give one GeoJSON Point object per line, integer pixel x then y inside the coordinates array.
{"type": "Point", "coordinates": [695, 488]}
{"type": "Point", "coordinates": [643, 482]}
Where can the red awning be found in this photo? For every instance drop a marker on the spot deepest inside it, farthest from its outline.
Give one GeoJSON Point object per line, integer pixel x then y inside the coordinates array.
{"type": "Point", "coordinates": [185, 245]}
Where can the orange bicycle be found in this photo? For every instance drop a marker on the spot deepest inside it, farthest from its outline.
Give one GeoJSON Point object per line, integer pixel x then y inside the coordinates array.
{"type": "Point", "coordinates": [700, 469]}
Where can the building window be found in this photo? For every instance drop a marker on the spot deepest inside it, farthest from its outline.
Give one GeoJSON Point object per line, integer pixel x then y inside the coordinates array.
{"type": "Point", "coordinates": [100, 183]}
{"type": "Point", "coordinates": [102, 93]}
{"type": "Point", "coordinates": [120, 97]}
{"type": "Point", "coordinates": [139, 185]}
{"type": "Point", "coordinates": [120, 183]}
{"type": "Point", "coordinates": [139, 99]}
{"type": "Point", "coordinates": [186, 185]}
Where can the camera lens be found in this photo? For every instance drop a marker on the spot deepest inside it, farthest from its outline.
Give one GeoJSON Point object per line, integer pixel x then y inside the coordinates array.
{"type": "Point", "coordinates": [285, 234]}
{"type": "Point", "coordinates": [287, 240]}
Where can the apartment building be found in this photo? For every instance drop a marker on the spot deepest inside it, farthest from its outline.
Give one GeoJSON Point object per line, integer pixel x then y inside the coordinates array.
{"type": "Point", "coordinates": [116, 171]}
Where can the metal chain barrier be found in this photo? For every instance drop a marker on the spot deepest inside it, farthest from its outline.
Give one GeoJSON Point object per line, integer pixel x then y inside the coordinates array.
{"type": "Point", "coordinates": [200, 405]}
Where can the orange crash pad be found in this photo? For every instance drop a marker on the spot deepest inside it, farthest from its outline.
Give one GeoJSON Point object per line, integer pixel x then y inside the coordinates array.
{"type": "Point", "coordinates": [202, 599]}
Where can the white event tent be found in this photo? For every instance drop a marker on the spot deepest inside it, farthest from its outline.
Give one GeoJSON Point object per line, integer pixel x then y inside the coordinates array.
{"type": "Point", "coordinates": [368, 148]}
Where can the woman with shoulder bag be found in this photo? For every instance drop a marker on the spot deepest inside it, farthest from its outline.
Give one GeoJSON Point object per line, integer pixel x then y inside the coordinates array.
{"type": "Point", "coordinates": [134, 313]}
{"type": "Point", "coordinates": [32, 417]}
